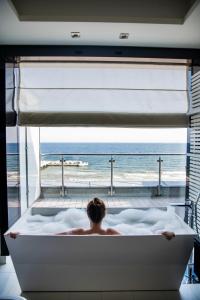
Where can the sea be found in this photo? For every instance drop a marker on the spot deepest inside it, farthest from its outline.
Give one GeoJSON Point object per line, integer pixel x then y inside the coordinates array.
{"type": "Point", "coordinates": [133, 164]}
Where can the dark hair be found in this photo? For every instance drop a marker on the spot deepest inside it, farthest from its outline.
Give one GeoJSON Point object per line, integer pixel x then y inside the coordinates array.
{"type": "Point", "coordinates": [96, 210]}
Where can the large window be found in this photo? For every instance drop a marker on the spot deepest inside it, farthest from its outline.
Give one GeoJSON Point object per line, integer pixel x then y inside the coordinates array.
{"type": "Point", "coordinates": [119, 129]}
{"type": "Point", "coordinates": [118, 157]}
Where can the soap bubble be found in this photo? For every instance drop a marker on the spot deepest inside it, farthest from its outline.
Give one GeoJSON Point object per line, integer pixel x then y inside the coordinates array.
{"type": "Point", "coordinates": [127, 222]}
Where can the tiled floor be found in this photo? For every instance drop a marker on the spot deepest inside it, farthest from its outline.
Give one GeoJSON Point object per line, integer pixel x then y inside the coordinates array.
{"type": "Point", "coordinates": [9, 287]}
{"type": "Point", "coordinates": [49, 205]}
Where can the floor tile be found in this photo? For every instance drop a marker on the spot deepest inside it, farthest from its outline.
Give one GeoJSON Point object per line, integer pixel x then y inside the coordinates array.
{"type": "Point", "coordinates": [190, 292]}
{"type": "Point", "coordinates": [9, 285]}
{"type": "Point", "coordinates": [8, 266]}
{"type": "Point", "coordinates": [52, 205]}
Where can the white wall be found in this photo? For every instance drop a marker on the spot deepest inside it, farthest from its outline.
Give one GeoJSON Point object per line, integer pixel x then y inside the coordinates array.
{"type": "Point", "coordinates": [33, 151]}
{"type": "Point", "coordinates": [29, 166]}
{"type": "Point", "coordinates": [22, 160]}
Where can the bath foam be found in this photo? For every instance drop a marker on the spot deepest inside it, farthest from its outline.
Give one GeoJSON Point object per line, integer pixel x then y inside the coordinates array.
{"type": "Point", "coordinates": [73, 218]}
{"type": "Point", "coordinates": [127, 222]}
{"type": "Point", "coordinates": [128, 216]}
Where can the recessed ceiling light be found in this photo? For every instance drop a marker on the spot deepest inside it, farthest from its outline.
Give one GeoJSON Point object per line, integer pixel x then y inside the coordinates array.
{"type": "Point", "coordinates": [124, 35]}
{"type": "Point", "coordinates": [75, 35]}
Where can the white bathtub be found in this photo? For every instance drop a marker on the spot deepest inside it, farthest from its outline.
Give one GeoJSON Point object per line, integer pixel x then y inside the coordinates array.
{"type": "Point", "coordinates": [100, 263]}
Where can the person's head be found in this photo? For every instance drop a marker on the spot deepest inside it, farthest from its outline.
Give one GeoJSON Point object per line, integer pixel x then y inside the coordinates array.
{"type": "Point", "coordinates": [96, 210]}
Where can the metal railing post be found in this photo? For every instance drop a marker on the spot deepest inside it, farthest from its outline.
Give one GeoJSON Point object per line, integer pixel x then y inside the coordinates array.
{"type": "Point", "coordinates": [159, 176]}
{"type": "Point", "coordinates": [63, 183]}
{"type": "Point", "coordinates": [111, 175]}
{"type": "Point", "coordinates": [158, 189]}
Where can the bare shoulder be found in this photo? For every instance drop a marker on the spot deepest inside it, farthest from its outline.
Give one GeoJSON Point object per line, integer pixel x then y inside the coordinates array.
{"type": "Point", "coordinates": [112, 231]}
{"type": "Point", "coordinates": [78, 231]}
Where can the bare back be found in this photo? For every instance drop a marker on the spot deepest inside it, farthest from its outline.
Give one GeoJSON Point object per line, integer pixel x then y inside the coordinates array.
{"type": "Point", "coordinates": [80, 231]}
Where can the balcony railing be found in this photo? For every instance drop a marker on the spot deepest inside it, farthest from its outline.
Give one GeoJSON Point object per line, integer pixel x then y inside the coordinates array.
{"type": "Point", "coordinates": [113, 170]}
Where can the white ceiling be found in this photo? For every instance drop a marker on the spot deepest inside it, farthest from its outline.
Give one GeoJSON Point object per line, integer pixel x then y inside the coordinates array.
{"type": "Point", "coordinates": [13, 31]}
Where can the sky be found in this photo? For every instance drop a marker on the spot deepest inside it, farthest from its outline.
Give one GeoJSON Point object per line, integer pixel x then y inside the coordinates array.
{"type": "Point", "coordinates": [112, 135]}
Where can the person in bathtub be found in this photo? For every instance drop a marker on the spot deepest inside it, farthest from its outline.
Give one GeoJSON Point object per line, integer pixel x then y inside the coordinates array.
{"type": "Point", "coordinates": [96, 211]}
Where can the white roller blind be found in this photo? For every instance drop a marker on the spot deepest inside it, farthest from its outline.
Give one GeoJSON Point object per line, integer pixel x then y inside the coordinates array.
{"type": "Point", "coordinates": [102, 94]}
